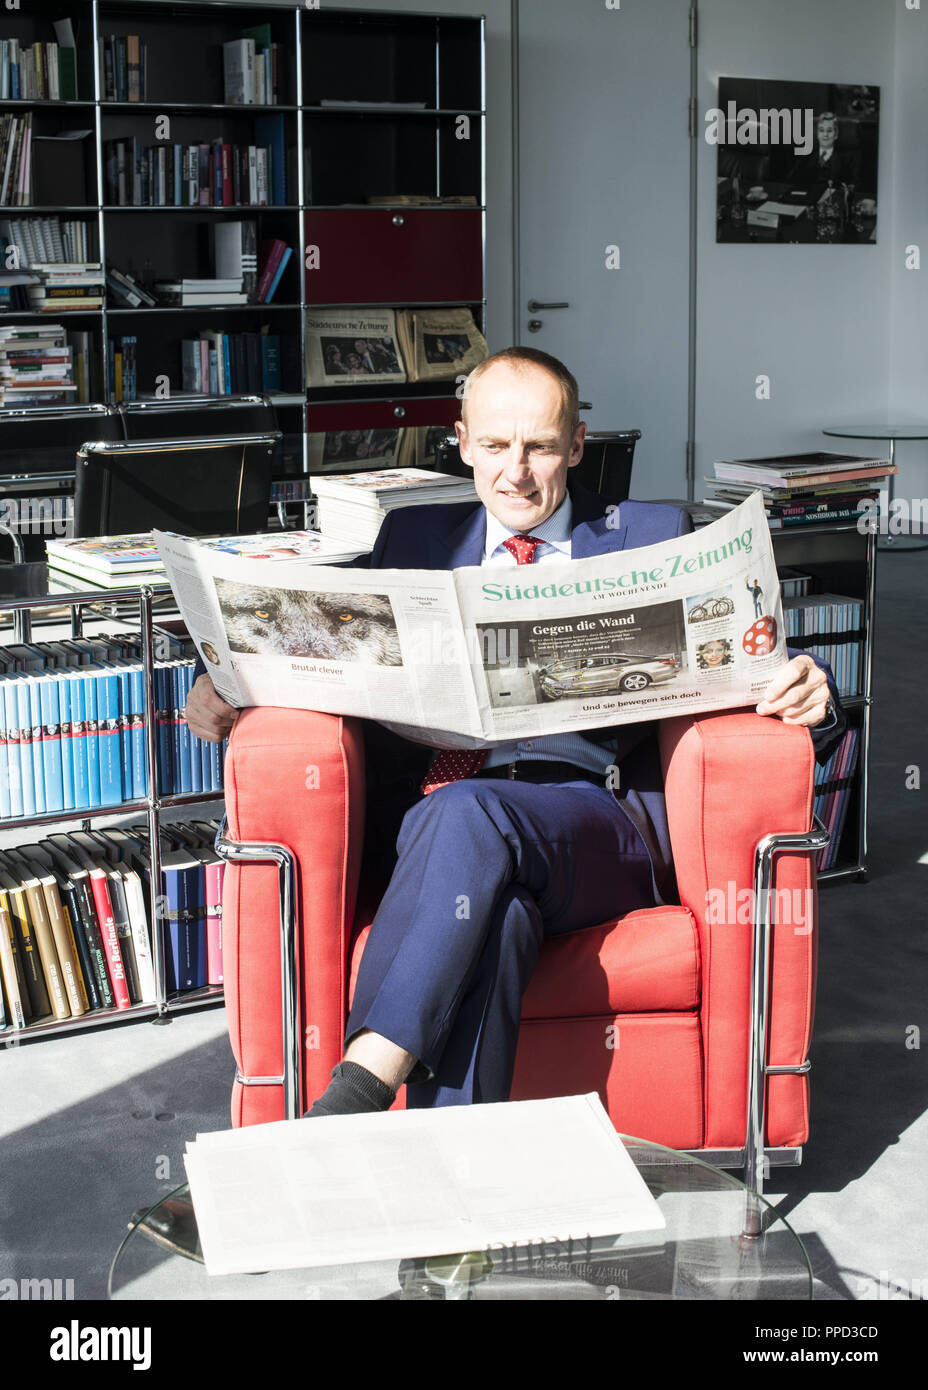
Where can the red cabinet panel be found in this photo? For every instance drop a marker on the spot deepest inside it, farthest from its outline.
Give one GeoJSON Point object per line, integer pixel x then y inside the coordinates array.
{"type": "Point", "coordinates": [373, 256]}
{"type": "Point", "coordinates": [377, 415]}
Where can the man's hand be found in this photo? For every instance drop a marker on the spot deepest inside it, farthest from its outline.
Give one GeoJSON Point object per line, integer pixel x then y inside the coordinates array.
{"type": "Point", "coordinates": [207, 714]}
{"type": "Point", "coordinates": [797, 694]}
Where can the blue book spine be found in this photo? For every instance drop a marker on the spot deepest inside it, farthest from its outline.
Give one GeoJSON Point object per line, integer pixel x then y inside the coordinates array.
{"type": "Point", "coordinates": [14, 769]}
{"type": "Point", "coordinates": [217, 753]}
{"type": "Point", "coordinates": [270, 361]}
{"type": "Point", "coordinates": [65, 686]}
{"type": "Point", "coordinates": [163, 704]}
{"type": "Point", "coordinates": [182, 733]}
{"type": "Point", "coordinates": [194, 756]}
{"type": "Point", "coordinates": [79, 744]}
{"type": "Point", "coordinates": [206, 766]}
{"type": "Point", "coordinates": [108, 738]}
{"type": "Point", "coordinates": [26, 767]}
{"type": "Point", "coordinates": [178, 172]}
{"type": "Point", "coordinates": [5, 803]}
{"type": "Point", "coordinates": [226, 365]}
{"type": "Point", "coordinates": [51, 742]}
{"type": "Point", "coordinates": [38, 762]}
{"type": "Point", "coordinates": [137, 732]}
{"type": "Point", "coordinates": [125, 735]}
{"type": "Point", "coordinates": [185, 958]}
{"type": "Point", "coordinates": [280, 270]}
{"type": "Point", "coordinates": [92, 740]}
{"type": "Point", "coordinates": [269, 130]}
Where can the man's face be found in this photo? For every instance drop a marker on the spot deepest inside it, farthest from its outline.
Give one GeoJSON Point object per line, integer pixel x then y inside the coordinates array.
{"type": "Point", "coordinates": [827, 134]}
{"type": "Point", "coordinates": [518, 444]}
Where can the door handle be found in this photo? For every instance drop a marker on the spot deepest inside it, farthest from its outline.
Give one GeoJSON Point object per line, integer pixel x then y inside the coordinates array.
{"type": "Point", "coordinates": [535, 304]}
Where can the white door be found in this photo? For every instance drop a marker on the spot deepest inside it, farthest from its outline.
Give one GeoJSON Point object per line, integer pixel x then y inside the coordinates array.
{"type": "Point", "coordinates": [604, 214]}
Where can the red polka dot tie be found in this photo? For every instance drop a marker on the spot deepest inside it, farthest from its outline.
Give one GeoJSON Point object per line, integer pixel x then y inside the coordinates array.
{"type": "Point", "coordinates": [455, 764]}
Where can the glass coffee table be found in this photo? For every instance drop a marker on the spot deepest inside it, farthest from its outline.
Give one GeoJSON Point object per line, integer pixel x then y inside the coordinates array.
{"type": "Point", "coordinates": [701, 1253]}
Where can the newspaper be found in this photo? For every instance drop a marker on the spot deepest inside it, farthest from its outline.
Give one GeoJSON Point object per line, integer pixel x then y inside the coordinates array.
{"type": "Point", "coordinates": [468, 657]}
{"type": "Point", "coordinates": [414, 1183]}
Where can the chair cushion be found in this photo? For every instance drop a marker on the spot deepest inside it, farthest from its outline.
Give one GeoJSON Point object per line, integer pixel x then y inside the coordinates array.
{"type": "Point", "coordinates": [645, 962]}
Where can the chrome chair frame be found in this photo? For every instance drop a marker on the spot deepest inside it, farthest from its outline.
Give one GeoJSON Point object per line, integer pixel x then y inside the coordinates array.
{"type": "Point", "coordinates": [753, 1158]}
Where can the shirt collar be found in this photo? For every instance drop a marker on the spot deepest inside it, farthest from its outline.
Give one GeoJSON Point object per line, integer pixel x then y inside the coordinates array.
{"type": "Point", "coordinates": [555, 531]}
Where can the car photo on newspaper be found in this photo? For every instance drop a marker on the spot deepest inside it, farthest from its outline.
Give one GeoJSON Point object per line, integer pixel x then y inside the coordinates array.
{"type": "Point", "coordinates": [602, 675]}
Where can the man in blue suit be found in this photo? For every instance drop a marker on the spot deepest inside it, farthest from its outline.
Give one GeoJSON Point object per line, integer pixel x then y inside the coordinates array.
{"type": "Point", "coordinates": [542, 836]}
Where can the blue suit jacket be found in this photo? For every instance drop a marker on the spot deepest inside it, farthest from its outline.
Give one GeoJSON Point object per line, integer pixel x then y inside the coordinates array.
{"type": "Point", "coordinates": [449, 536]}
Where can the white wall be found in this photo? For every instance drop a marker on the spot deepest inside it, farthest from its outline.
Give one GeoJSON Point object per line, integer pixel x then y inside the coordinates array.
{"type": "Point", "coordinates": [815, 318]}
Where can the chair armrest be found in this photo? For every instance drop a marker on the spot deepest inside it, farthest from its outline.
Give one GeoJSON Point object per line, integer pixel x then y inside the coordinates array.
{"type": "Point", "coordinates": [295, 778]}
{"type": "Point", "coordinates": [731, 778]}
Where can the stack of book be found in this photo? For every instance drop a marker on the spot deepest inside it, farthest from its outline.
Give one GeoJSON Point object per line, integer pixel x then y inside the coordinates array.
{"type": "Point", "coordinates": [124, 59]}
{"type": "Point", "coordinates": [352, 506]}
{"type": "Point", "coordinates": [833, 787]}
{"type": "Point", "coordinates": [820, 615]}
{"type": "Point", "coordinates": [66, 288]}
{"type": "Point", "coordinates": [251, 68]}
{"type": "Point", "coordinates": [35, 366]}
{"type": "Point", "coordinates": [106, 562]}
{"type": "Point", "coordinates": [233, 364]}
{"type": "Point", "coordinates": [206, 293]}
{"type": "Point", "coordinates": [126, 291]}
{"type": "Point", "coordinates": [16, 160]}
{"type": "Point", "coordinates": [800, 489]}
{"type": "Point", "coordinates": [206, 174]}
{"type": "Point", "coordinates": [46, 240]}
{"type": "Point", "coordinates": [75, 921]}
{"type": "Point", "coordinates": [39, 71]}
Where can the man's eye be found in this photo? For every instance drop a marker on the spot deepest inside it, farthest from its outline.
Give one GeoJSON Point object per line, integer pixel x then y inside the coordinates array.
{"type": "Point", "coordinates": [345, 617]}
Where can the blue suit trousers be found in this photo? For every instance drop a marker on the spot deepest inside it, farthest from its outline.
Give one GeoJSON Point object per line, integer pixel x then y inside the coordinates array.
{"type": "Point", "coordinates": [486, 869]}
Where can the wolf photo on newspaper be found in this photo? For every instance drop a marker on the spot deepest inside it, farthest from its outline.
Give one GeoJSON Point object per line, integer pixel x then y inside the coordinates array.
{"type": "Point", "coordinates": [292, 622]}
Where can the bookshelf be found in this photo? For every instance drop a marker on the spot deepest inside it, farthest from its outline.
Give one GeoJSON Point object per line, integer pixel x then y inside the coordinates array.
{"type": "Point", "coordinates": [153, 806]}
{"type": "Point", "coordinates": [842, 561]}
{"type": "Point", "coordinates": [367, 104]}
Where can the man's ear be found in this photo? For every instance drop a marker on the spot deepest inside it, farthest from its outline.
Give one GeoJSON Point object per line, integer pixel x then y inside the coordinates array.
{"type": "Point", "coordinates": [460, 430]}
{"type": "Point", "coordinates": [576, 448]}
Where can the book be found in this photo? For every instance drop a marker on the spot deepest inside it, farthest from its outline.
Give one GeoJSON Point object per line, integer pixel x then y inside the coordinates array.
{"type": "Point", "coordinates": [819, 466]}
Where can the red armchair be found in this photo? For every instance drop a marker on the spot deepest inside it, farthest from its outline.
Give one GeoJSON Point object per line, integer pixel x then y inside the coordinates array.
{"type": "Point", "coordinates": [670, 1013]}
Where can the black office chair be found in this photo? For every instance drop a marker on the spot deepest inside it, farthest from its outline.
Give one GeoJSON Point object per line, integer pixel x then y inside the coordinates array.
{"type": "Point", "coordinates": [38, 448]}
{"type": "Point", "coordinates": [194, 416]}
{"type": "Point", "coordinates": [606, 466]}
{"type": "Point", "coordinates": [200, 487]}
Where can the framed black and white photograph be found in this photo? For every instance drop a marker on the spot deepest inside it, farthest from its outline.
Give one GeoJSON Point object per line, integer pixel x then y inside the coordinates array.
{"type": "Point", "coordinates": [797, 161]}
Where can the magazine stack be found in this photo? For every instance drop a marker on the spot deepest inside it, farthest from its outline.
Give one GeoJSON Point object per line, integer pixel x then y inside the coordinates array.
{"type": "Point", "coordinates": [104, 562]}
{"type": "Point", "coordinates": [801, 489]}
{"type": "Point", "coordinates": [352, 506]}
{"type": "Point", "coordinates": [833, 787]}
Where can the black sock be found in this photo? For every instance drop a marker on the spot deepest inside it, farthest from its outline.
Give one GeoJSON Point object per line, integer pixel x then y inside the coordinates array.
{"type": "Point", "coordinates": [353, 1090]}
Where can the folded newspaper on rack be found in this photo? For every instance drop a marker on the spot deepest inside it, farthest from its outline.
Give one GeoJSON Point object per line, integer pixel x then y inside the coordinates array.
{"type": "Point", "coordinates": [467, 657]}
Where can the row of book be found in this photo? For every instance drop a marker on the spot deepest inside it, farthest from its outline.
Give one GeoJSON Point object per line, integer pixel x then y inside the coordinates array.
{"type": "Point", "coordinates": [39, 71]}
{"type": "Point", "coordinates": [800, 489]}
{"type": "Point", "coordinates": [124, 61]}
{"type": "Point", "coordinates": [251, 68]}
{"type": "Point", "coordinates": [74, 740]}
{"type": "Point", "coordinates": [16, 160]}
{"type": "Point", "coordinates": [122, 368]}
{"type": "Point", "coordinates": [815, 614]}
{"type": "Point", "coordinates": [233, 364]}
{"type": "Point", "coordinates": [44, 241]}
{"type": "Point", "coordinates": [76, 928]}
{"type": "Point", "coordinates": [831, 804]}
{"type": "Point", "coordinates": [205, 174]}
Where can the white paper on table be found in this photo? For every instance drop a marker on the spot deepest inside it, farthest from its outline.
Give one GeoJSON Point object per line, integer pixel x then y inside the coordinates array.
{"type": "Point", "coordinates": [413, 1183]}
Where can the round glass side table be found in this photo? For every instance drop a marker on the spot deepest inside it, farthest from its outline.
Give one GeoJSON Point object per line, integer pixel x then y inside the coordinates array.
{"type": "Point", "coordinates": [889, 433]}
{"type": "Point", "coordinates": [701, 1253]}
